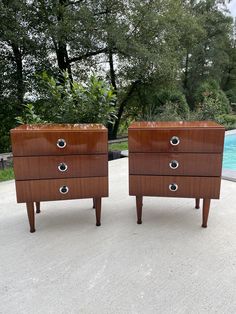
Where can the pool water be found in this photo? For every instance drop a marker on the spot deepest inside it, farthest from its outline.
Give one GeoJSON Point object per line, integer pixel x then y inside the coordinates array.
{"type": "Point", "coordinates": [229, 159]}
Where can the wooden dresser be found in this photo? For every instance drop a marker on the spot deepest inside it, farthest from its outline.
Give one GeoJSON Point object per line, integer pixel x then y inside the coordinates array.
{"type": "Point", "coordinates": [175, 159]}
{"type": "Point", "coordinates": [60, 162]}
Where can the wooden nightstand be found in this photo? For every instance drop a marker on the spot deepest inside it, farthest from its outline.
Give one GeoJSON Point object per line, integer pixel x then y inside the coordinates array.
{"type": "Point", "coordinates": [60, 162]}
{"type": "Point", "coordinates": [176, 159]}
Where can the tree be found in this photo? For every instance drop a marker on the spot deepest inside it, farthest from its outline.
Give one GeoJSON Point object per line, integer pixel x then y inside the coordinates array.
{"type": "Point", "coordinates": [142, 48]}
{"type": "Point", "coordinates": [206, 52]}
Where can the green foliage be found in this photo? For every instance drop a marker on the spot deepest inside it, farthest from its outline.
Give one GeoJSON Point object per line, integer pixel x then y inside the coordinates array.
{"type": "Point", "coordinates": [231, 95]}
{"type": "Point", "coordinates": [175, 99]}
{"type": "Point", "coordinates": [209, 109]}
{"type": "Point", "coordinates": [165, 105]}
{"type": "Point", "coordinates": [73, 102]}
{"type": "Point", "coordinates": [228, 120]}
{"type": "Point", "coordinates": [125, 123]}
{"type": "Point", "coordinates": [211, 101]}
{"type": "Point", "coordinates": [208, 57]}
{"type": "Point", "coordinates": [7, 118]}
{"type": "Point", "coordinates": [169, 47]}
{"type": "Point", "coordinates": [170, 112]}
{"type": "Point", "coordinates": [118, 146]}
{"type": "Point", "coordinates": [29, 116]}
{"type": "Point", "coordinates": [6, 174]}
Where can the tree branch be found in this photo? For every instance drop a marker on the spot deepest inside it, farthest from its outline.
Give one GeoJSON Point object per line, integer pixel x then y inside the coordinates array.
{"type": "Point", "coordinates": [73, 3]}
{"type": "Point", "coordinates": [87, 55]}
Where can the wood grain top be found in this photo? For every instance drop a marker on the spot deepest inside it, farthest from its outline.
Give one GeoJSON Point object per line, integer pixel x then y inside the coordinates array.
{"type": "Point", "coordinates": [174, 124]}
{"type": "Point", "coordinates": [59, 127]}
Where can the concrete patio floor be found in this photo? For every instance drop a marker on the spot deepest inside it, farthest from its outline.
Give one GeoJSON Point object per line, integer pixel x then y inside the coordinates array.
{"type": "Point", "coordinates": [169, 264]}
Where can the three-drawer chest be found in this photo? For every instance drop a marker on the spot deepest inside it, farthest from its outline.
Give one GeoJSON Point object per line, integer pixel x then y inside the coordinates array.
{"type": "Point", "coordinates": [175, 159]}
{"type": "Point", "coordinates": [60, 162]}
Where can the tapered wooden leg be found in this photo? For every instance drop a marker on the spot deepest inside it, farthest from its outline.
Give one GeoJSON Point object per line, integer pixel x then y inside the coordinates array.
{"type": "Point", "coordinates": [37, 207]}
{"type": "Point", "coordinates": [98, 204]}
{"type": "Point", "coordinates": [197, 205]}
{"type": "Point", "coordinates": [94, 202]}
{"type": "Point", "coordinates": [30, 211]}
{"type": "Point", "coordinates": [205, 211]}
{"type": "Point", "coordinates": [139, 205]}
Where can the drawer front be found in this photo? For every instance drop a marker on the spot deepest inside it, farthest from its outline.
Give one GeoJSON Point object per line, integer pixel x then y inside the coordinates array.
{"type": "Point", "coordinates": [33, 143]}
{"type": "Point", "coordinates": [71, 166]}
{"type": "Point", "coordinates": [196, 187]}
{"type": "Point", "coordinates": [184, 164]}
{"type": "Point", "coordinates": [190, 140]}
{"type": "Point", "coordinates": [49, 190]}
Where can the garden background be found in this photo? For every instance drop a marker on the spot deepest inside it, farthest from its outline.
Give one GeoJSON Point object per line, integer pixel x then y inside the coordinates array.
{"type": "Point", "coordinates": [115, 61]}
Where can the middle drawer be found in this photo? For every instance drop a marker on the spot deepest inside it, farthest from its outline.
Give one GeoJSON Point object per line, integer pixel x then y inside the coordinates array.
{"type": "Point", "coordinates": [68, 166]}
{"type": "Point", "coordinates": [186, 164]}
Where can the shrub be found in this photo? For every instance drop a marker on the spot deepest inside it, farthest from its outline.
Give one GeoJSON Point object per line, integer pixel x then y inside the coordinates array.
{"type": "Point", "coordinates": [8, 107]}
{"type": "Point", "coordinates": [228, 120]}
{"type": "Point", "coordinates": [170, 112]}
{"type": "Point", "coordinates": [29, 116]}
{"type": "Point", "coordinates": [209, 109]}
{"type": "Point", "coordinates": [73, 102]}
{"type": "Point", "coordinates": [166, 105]}
{"type": "Point", "coordinates": [210, 95]}
{"type": "Point", "coordinates": [176, 98]}
{"type": "Point", "coordinates": [231, 94]}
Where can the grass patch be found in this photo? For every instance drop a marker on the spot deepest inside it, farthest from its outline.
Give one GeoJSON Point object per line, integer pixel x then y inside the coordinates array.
{"type": "Point", "coordinates": [7, 174]}
{"type": "Point", "coordinates": [119, 146]}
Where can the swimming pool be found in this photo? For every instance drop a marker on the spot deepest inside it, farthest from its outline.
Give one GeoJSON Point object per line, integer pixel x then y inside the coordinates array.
{"type": "Point", "coordinates": [229, 159]}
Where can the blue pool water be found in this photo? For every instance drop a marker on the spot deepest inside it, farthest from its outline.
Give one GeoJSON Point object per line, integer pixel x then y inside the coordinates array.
{"type": "Point", "coordinates": [229, 159]}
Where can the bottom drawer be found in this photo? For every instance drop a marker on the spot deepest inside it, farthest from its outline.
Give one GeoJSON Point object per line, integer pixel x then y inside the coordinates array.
{"type": "Point", "coordinates": [173, 186]}
{"type": "Point", "coordinates": [61, 189]}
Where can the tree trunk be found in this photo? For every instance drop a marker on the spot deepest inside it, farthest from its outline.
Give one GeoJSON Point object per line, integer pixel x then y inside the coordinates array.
{"type": "Point", "coordinates": [113, 83]}
{"type": "Point", "coordinates": [60, 46]}
{"type": "Point", "coordinates": [186, 72]}
{"type": "Point", "coordinates": [122, 107]}
{"type": "Point", "coordinates": [19, 74]}
{"type": "Point", "coordinates": [112, 70]}
{"type": "Point", "coordinates": [63, 59]}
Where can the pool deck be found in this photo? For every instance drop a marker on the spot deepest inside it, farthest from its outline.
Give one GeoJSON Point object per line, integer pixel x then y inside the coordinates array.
{"type": "Point", "coordinates": [169, 264]}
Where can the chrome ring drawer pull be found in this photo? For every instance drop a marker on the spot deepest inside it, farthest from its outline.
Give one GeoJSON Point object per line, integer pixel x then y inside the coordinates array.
{"type": "Point", "coordinates": [173, 187]}
{"type": "Point", "coordinates": [64, 189]}
{"type": "Point", "coordinates": [61, 143]}
{"type": "Point", "coordinates": [174, 141]}
{"type": "Point", "coordinates": [62, 167]}
{"type": "Point", "coordinates": [174, 164]}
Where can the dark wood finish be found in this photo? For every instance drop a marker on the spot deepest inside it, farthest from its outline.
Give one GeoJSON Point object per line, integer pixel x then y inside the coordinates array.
{"type": "Point", "coordinates": [197, 203]}
{"type": "Point", "coordinates": [205, 212]}
{"type": "Point", "coordinates": [139, 207]}
{"type": "Point", "coordinates": [43, 141]}
{"type": "Point", "coordinates": [30, 212]}
{"type": "Point", "coordinates": [94, 202]}
{"type": "Point", "coordinates": [37, 159]}
{"type": "Point", "coordinates": [46, 167]}
{"type": "Point", "coordinates": [37, 204]}
{"type": "Point", "coordinates": [195, 187]}
{"type": "Point", "coordinates": [198, 155]}
{"type": "Point", "coordinates": [98, 204]}
{"type": "Point", "coordinates": [189, 164]}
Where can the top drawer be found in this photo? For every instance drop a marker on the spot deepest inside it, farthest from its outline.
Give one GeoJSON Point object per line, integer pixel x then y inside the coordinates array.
{"type": "Point", "coordinates": [204, 140]}
{"type": "Point", "coordinates": [58, 140]}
